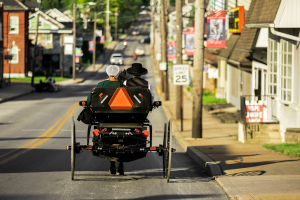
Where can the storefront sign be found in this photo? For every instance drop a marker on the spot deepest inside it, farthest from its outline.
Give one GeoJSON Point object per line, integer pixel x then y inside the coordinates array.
{"type": "Point", "coordinates": [236, 19]}
{"type": "Point", "coordinates": [216, 34]}
{"type": "Point", "coordinates": [189, 35]}
{"type": "Point", "coordinates": [254, 111]}
{"type": "Point", "coordinates": [171, 50]}
{"type": "Point", "coordinates": [181, 75]}
{"type": "Point", "coordinates": [78, 52]}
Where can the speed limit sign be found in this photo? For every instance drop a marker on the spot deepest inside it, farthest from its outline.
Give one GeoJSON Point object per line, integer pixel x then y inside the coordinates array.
{"type": "Point", "coordinates": [181, 75]}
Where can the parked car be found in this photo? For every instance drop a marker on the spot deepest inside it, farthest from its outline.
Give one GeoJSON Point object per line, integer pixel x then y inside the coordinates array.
{"type": "Point", "coordinates": [135, 32]}
{"type": "Point", "coordinates": [116, 58]}
{"type": "Point", "coordinates": [140, 51]}
{"type": "Point", "coordinates": [144, 40]}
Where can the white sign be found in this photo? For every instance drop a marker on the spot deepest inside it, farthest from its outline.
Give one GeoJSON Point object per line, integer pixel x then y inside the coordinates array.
{"type": "Point", "coordinates": [68, 39]}
{"type": "Point", "coordinates": [98, 33]}
{"type": "Point", "coordinates": [68, 49]}
{"type": "Point", "coordinates": [163, 66]}
{"type": "Point", "coordinates": [158, 56]}
{"type": "Point", "coordinates": [181, 75]}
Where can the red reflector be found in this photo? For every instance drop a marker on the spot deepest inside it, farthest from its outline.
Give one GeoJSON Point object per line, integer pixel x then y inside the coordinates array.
{"type": "Point", "coordinates": [96, 132]}
{"type": "Point", "coordinates": [140, 95]}
{"type": "Point", "coordinates": [89, 147]}
{"type": "Point", "coordinates": [137, 130]}
{"type": "Point", "coordinates": [157, 103]}
{"type": "Point", "coordinates": [101, 95]}
{"type": "Point", "coordinates": [103, 130]}
{"type": "Point", "coordinates": [152, 148]}
{"type": "Point", "coordinates": [145, 133]}
{"type": "Point", "coordinates": [83, 103]}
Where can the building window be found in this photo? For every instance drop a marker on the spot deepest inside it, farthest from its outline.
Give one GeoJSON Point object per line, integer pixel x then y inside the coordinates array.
{"type": "Point", "coordinates": [14, 25]}
{"type": "Point", "coordinates": [14, 51]}
{"type": "Point", "coordinates": [286, 68]}
{"type": "Point", "coordinates": [48, 39]}
{"type": "Point", "coordinates": [272, 66]}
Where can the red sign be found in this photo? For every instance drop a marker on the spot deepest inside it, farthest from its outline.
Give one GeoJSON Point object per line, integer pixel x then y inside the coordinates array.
{"type": "Point", "coordinates": [254, 111]}
{"type": "Point", "coordinates": [102, 39]}
{"type": "Point", "coordinates": [91, 45]}
{"type": "Point", "coordinates": [171, 50]}
{"type": "Point", "coordinates": [216, 34]}
{"type": "Point", "coordinates": [189, 35]}
{"type": "Point", "coordinates": [120, 100]}
{"type": "Point", "coordinates": [76, 59]}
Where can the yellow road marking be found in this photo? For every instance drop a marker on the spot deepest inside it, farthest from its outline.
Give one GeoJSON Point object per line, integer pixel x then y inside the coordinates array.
{"type": "Point", "coordinates": [44, 135]}
{"type": "Point", "coordinates": [158, 90]}
{"type": "Point", "coordinates": [145, 26]}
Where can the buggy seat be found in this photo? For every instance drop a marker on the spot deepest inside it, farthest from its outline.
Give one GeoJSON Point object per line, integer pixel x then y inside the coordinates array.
{"type": "Point", "coordinates": [121, 107]}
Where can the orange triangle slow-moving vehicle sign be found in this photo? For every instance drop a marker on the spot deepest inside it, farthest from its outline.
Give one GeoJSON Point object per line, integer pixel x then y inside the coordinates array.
{"type": "Point", "coordinates": [120, 100]}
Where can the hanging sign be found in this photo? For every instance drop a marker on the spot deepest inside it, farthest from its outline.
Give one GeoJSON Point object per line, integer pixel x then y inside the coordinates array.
{"type": "Point", "coordinates": [78, 52]}
{"type": "Point", "coordinates": [216, 34]}
{"type": "Point", "coordinates": [181, 75]}
{"type": "Point", "coordinates": [91, 45]}
{"type": "Point", "coordinates": [171, 50]}
{"type": "Point", "coordinates": [236, 18]}
{"type": "Point", "coordinates": [254, 111]}
{"type": "Point", "coordinates": [102, 39]}
{"type": "Point", "coordinates": [189, 35]}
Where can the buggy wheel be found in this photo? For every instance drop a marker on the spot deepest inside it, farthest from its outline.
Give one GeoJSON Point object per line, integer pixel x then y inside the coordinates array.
{"type": "Point", "coordinates": [164, 153]}
{"type": "Point", "coordinates": [73, 142]}
{"type": "Point", "coordinates": [169, 152]}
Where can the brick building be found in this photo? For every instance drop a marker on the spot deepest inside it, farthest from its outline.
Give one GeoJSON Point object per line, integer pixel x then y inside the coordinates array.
{"type": "Point", "coordinates": [15, 38]}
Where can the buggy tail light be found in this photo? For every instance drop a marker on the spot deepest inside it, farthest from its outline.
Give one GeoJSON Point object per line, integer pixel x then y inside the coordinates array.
{"type": "Point", "coordinates": [103, 130]}
{"type": "Point", "coordinates": [96, 132]}
{"type": "Point", "coordinates": [145, 133]}
{"type": "Point", "coordinates": [137, 130]}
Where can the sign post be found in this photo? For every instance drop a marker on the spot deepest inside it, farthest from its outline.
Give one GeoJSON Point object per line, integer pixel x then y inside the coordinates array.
{"type": "Point", "coordinates": [8, 58]}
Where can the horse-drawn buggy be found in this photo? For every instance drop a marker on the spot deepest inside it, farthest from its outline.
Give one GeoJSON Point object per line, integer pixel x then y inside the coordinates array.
{"type": "Point", "coordinates": [121, 130]}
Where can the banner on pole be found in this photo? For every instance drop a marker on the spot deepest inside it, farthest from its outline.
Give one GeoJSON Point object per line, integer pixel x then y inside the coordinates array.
{"type": "Point", "coordinates": [171, 50]}
{"type": "Point", "coordinates": [189, 35]}
{"type": "Point", "coordinates": [102, 39]}
{"type": "Point", "coordinates": [216, 34]}
{"type": "Point", "coordinates": [91, 45]}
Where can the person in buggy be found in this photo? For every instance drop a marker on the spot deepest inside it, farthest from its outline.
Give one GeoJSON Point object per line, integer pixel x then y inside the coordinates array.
{"type": "Point", "coordinates": [137, 70]}
{"type": "Point", "coordinates": [113, 73]}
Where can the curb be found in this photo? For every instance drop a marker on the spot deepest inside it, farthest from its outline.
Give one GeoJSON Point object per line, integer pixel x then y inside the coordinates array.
{"type": "Point", "coordinates": [209, 165]}
{"type": "Point", "coordinates": [14, 97]}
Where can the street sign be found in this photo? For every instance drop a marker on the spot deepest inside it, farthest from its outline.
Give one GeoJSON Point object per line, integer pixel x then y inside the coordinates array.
{"type": "Point", "coordinates": [8, 57]}
{"type": "Point", "coordinates": [181, 75]}
{"type": "Point", "coordinates": [163, 66]}
{"type": "Point", "coordinates": [158, 56]}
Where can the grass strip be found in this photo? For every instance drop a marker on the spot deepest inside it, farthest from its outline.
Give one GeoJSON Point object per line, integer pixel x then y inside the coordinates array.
{"type": "Point", "coordinates": [37, 79]}
{"type": "Point", "coordinates": [288, 149]}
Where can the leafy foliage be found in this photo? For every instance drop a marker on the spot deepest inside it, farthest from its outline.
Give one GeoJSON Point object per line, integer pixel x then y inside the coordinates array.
{"type": "Point", "coordinates": [128, 10]}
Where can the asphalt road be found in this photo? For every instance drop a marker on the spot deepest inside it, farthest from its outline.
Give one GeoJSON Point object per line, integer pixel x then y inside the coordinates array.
{"type": "Point", "coordinates": [35, 129]}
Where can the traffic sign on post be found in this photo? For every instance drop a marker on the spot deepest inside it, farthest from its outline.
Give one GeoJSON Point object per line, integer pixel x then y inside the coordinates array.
{"type": "Point", "coordinates": [181, 75]}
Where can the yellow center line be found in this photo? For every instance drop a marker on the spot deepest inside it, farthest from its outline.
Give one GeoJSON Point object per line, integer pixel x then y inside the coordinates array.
{"type": "Point", "coordinates": [45, 135]}
{"type": "Point", "coordinates": [145, 26]}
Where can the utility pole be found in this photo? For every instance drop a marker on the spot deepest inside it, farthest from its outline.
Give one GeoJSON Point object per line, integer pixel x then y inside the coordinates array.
{"type": "Point", "coordinates": [107, 21]}
{"type": "Point", "coordinates": [116, 24]}
{"type": "Point", "coordinates": [163, 34]}
{"type": "Point", "coordinates": [94, 51]}
{"type": "Point", "coordinates": [74, 39]}
{"type": "Point", "coordinates": [198, 70]}
{"type": "Point", "coordinates": [179, 96]}
{"type": "Point", "coordinates": [35, 48]}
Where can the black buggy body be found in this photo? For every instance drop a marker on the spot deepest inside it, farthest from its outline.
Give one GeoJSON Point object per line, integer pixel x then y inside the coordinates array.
{"type": "Point", "coordinates": [121, 130]}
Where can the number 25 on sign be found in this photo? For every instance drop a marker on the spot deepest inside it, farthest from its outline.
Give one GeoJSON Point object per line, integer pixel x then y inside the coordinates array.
{"type": "Point", "coordinates": [181, 75]}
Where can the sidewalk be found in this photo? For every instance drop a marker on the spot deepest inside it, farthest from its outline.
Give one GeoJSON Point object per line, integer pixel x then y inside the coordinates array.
{"type": "Point", "coordinates": [245, 171]}
{"type": "Point", "coordinates": [17, 90]}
